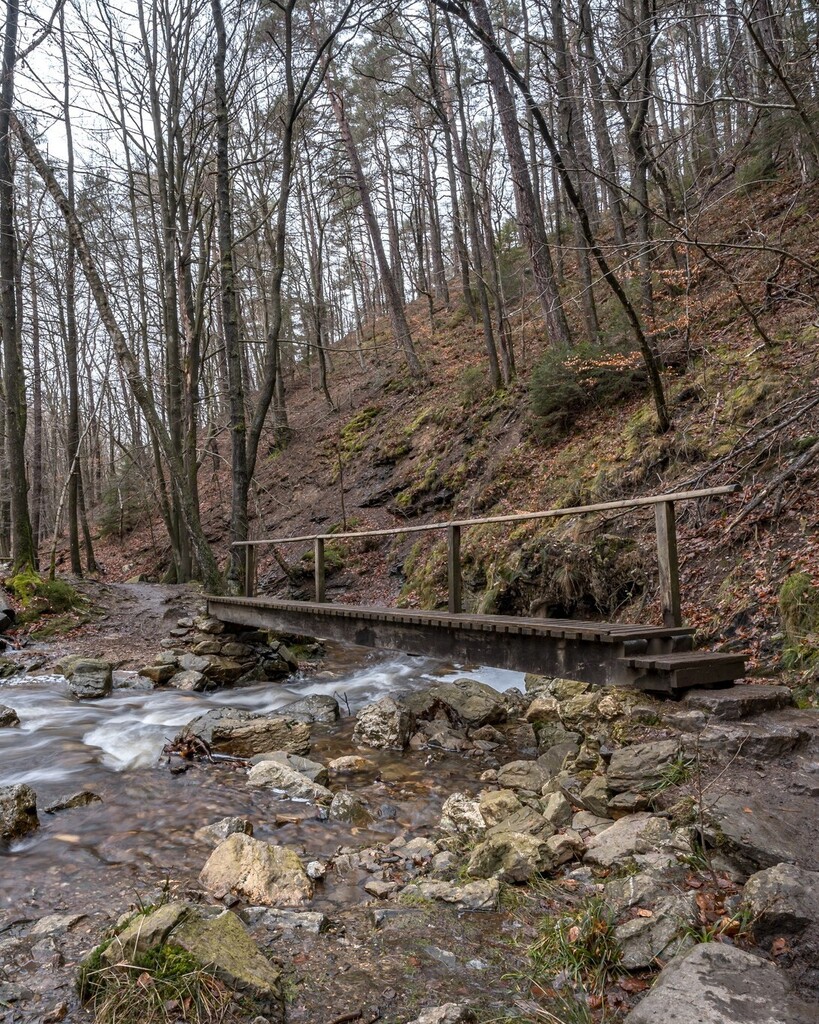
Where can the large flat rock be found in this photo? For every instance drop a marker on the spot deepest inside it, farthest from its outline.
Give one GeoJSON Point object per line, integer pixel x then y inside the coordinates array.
{"type": "Point", "coordinates": [720, 984]}
{"type": "Point", "coordinates": [735, 702]}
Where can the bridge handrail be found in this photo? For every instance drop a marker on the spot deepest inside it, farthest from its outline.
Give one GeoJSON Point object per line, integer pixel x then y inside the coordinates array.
{"type": "Point", "coordinates": [665, 523]}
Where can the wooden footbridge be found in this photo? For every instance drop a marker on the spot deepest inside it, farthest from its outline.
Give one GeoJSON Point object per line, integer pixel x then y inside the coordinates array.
{"type": "Point", "coordinates": [657, 658]}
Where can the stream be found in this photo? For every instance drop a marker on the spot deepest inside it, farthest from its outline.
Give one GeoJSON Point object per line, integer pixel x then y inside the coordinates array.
{"type": "Point", "coordinates": [141, 835]}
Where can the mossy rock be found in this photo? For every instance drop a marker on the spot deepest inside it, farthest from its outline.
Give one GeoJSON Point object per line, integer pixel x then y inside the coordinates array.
{"type": "Point", "coordinates": [799, 611]}
{"type": "Point", "coordinates": [40, 596]}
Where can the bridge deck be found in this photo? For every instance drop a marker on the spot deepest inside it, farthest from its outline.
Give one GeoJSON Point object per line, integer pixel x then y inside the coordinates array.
{"type": "Point", "coordinates": [656, 658]}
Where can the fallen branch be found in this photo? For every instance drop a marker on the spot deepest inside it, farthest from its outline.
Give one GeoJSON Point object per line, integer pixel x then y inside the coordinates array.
{"type": "Point", "coordinates": [791, 470]}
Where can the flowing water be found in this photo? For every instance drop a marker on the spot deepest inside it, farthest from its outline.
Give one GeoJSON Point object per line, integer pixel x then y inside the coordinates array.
{"type": "Point", "coordinates": [101, 856]}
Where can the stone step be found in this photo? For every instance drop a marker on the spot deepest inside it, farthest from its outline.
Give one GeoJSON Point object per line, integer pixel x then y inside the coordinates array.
{"type": "Point", "coordinates": [739, 702]}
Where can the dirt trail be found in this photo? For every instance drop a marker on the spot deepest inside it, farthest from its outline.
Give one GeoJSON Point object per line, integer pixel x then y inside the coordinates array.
{"type": "Point", "coordinates": [131, 620]}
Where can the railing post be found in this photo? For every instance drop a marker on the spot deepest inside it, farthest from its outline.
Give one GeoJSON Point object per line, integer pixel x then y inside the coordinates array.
{"type": "Point", "coordinates": [454, 569]}
{"type": "Point", "coordinates": [667, 559]}
{"type": "Point", "coordinates": [318, 568]}
{"type": "Point", "coordinates": [250, 570]}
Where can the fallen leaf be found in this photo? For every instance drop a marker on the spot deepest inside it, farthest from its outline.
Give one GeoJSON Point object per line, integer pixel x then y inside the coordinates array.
{"type": "Point", "coordinates": [779, 946]}
{"type": "Point", "coordinates": [641, 912]}
{"type": "Point", "coordinates": [573, 933]}
{"type": "Point", "coordinates": [633, 984]}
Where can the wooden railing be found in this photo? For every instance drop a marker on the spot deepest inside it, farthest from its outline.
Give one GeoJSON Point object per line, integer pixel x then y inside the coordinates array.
{"type": "Point", "coordinates": [664, 520]}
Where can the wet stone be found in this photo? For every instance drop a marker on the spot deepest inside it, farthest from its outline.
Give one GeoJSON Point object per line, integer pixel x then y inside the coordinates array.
{"type": "Point", "coordinates": [218, 831]}
{"type": "Point", "coordinates": [65, 803]}
{"type": "Point", "coordinates": [8, 717]}
{"type": "Point", "coordinates": [18, 811]}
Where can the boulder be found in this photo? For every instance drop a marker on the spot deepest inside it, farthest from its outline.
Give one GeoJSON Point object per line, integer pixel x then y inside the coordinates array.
{"type": "Point", "coordinates": [158, 674]}
{"type": "Point", "coordinates": [638, 767]}
{"type": "Point", "coordinates": [510, 857]}
{"type": "Point", "coordinates": [221, 670]}
{"type": "Point", "coordinates": [191, 680]}
{"type": "Point", "coordinates": [496, 805]}
{"type": "Point", "coordinates": [315, 708]}
{"type": "Point", "coordinates": [760, 830]}
{"type": "Point", "coordinates": [462, 814]}
{"type": "Point", "coordinates": [636, 834]}
{"type": "Point", "coordinates": [18, 811]}
{"type": "Point", "coordinates": [782, 900]}
{"type": "Point", "coordinates": [257, 872]}
{"type": "Point", "coordinates": [565, 846]}
{"type": "Point", "coordinates": [556, 809]}
{"type": "Point", "coordinates": [274, 775]}
{"type": "Point", "coordinates": [544, 708]}
{"type": "Point", "coordinates": [244, 733]}
{"type": "Point", "coordinates": [350, 808]}
{"type": "Point", "coordinates": [735, 702]}
{"type": "Point", "coordinates": [525, 819]}
{"type": "Point", "coordinates": [522, 775]}
{"type": "Point", "coordinates": [90, 679]}
{"type": "Point", "coordinates": [480, 895]}
{"type": "Point", "coordinates": [218, 831]}
{"type": "Point", "coordinates": [8, 717]}
{"type": "Point", "coordinates": [220, 942]}
{"type": "Point", "coordinates": [719, 984]}
{"type": "Point", "coordinates": [553, 756]}
{"type": "Point", "coordinates": [387, 723]}
{"type": "Point", "coordinates": [314, 770]}
{"type": "Point", "coordinates": [767, 738]}
{"type": "Point", "coordinates": [466, 702]}
{"type": "Point", "coordinates": [595, 795]}
{"type": "Point", "coordinates": [69, 801]}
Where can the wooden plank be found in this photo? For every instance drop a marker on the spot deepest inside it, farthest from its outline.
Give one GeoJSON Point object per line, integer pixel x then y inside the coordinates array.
{"type": "Point", "coordinates": [318, 569]}
{"type": "Point", "coordinates": [668, 562]}
{"type": "Point", "coordinates": [517, 517]}
{"type": "Point", "coordinates": [454, 569]}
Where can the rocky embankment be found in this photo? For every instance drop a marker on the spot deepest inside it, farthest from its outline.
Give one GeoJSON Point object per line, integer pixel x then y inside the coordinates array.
{"type": "Point", "coordinates": [600, 852]}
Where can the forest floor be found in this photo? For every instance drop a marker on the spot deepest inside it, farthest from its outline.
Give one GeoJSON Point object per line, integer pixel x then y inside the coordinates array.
{"type": "Point", "coordinates": [392, 451]}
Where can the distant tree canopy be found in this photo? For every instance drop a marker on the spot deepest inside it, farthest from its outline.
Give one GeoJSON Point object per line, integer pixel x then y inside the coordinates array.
{"type": "Point", "coordinates": [200, 200]}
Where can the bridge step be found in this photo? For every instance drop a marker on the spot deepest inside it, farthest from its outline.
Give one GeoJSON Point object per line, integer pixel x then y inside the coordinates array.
{"type": "Point", "coordinates": [697, 668]}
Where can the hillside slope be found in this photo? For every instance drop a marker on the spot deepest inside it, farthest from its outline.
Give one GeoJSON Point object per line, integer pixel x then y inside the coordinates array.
{"type": "Point", "coordinates": [393, 452]}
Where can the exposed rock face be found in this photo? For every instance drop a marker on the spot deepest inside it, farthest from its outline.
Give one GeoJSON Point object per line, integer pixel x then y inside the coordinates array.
{"type": "Point", "coordinates": [461, 813]}
{"type": "Point", "coordinates": [8, 717]}
{"type": "Point", "coordinates": [510, 857]}
{"type": "Point", "coordinates": [466, 702]}
{"type": "Point", "coordinates": [90, 679]}
{"type": "Point", "coordinates": [783, 900]}
{"type": "Point", "coordinates": [244, 733]}
{"type": "Point", "coordinates": [639, 766]}
{"type": "Point", "coordinates": [274, 775]}
{"type": "Point", "coordinates": [218, 831]}
{"type": "Point", "coordinates": [257, 872]}
{"type": "Point", "coordinates": [384, 724]}
{"type": "Point", "coordinates": [220, 942]}
{"type": "Point", "coordinates": [18, 811]}
{"type": "Point", "coordinates": [720, 984]}
{"type": "Point", "coordinates": [482, 895]}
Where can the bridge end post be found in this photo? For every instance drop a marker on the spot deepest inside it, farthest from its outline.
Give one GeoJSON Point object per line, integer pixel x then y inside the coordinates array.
{"type": "Point", "coordinates": [454, 570]}
{"type": "Point", "coordinates": [318, 569]}
{"type": "Point", "coordinates": [250, 570]}
{"type": "Point", "coordinates": [668, 561]}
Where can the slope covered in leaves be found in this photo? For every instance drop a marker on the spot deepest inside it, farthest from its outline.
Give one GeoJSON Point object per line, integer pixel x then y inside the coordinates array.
{"type": "Point", "coordinates": [573, 429]}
